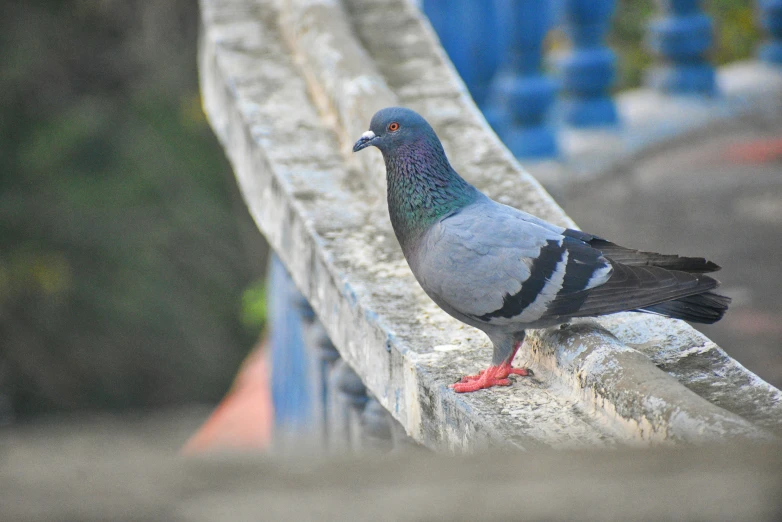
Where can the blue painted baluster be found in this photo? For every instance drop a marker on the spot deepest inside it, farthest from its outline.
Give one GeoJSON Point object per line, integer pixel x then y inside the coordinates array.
{"type": "Point", "coordinates": [290, 382]}
{"type": "Point", "coordinates": [589, 70]}
{"type": "Point", "coordinates": [520, 96]}
{"type": "Point", "coordinates": [468, 33]}
{"type": "Point", "coordinates": [347, 399]}
{"type": "Point", "coordinates": [376, 427]}
{"type": "Point", "coordinates": [681, 38]}
{"type": "Point", "coordinates": [322, 356]}
{"type": "Point", "coordinates": [770, 14]}
{"type": "Point", "coordinates": [354, 397]}
{"type": "Point", "coordinates": [338, 422]}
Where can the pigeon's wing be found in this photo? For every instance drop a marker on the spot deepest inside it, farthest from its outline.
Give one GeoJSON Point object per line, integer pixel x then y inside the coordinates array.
{"type": "Point", "coordinates": [498, 265]}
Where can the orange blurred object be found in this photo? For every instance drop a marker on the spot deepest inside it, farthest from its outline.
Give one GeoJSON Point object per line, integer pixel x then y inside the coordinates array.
{"type": "Point", "coordinates": [243, 419]}
{"type": "Point", "coordinates": [757, 151]}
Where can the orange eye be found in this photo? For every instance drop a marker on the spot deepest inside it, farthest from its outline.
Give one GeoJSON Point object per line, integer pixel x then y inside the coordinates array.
{"type": "Point", "coordinates": [393, 126]}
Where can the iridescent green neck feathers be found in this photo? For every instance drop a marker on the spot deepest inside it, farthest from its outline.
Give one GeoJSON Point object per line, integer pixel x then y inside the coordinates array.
{"type": "Point", "coordinates": [422, 187]}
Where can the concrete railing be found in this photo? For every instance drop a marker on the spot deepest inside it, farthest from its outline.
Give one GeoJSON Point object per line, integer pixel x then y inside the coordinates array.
{"type": "Point", "coordinates": [288, 85]}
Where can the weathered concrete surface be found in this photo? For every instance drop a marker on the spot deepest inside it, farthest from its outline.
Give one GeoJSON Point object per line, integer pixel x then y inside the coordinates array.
{"type": "Point", "coordinates": [702, 366]}
{"type": "Point", "coordinates": [126, 471]}
{"type": "Point", "coordinates": [627, 388]}
{"type": "Point", "coordinates": [342, 79]}
{"type": "Point", "coordinates": [327, 220]}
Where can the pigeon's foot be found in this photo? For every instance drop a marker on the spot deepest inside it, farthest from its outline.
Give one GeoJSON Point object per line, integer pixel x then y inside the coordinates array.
{"type": "Point", "coordinates": [470, 378]}
{"type": "Point", "coordinates": [491, 376]}
{"type": "Point", "coordinates": [503, 371]}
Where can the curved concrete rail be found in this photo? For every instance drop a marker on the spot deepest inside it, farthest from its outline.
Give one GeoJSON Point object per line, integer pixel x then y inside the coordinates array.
{"type": "Point", "coordinates": [287, 86]}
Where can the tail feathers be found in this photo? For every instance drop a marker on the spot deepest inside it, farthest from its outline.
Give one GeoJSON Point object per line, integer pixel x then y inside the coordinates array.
{"type": "Point", "coordinates": [628, 256]}
{"type": "Point", "coordinates": [706, 308]}
{"type": "Point", "coordinates": [631, 288]}
{"type": "Point", "coordinates": [647, 277]}
{"type": "Point", "coordinates": [631, 257]}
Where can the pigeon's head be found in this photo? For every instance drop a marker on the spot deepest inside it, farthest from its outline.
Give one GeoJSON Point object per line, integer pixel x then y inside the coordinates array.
{"type": "Point", "coordinates": [392, 127]}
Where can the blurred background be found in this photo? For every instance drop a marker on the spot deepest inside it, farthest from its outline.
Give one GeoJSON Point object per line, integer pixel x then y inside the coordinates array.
{"type": "Point", "coordinates": [131, 275]}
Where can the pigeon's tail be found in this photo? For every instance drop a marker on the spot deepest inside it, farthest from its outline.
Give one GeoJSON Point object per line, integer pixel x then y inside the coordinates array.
{"type": "Point", "coordinates": [631, 257]}
{"type": "Point", "coordinates": [706, 308]}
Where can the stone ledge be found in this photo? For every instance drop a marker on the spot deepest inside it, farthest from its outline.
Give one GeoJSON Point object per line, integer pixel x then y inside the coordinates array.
{"type": "Point", "coordinates": [628, 390]}
{"type": "Point", "coordinates": [327, 220]}
{"type": "Point", "coordinates": [700, 365]}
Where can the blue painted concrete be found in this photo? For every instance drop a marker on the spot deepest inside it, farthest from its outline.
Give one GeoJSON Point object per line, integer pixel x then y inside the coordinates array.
{"type": "Point", "coordinates": [682, 38]}
{"type": "Point", "coordinates": [471, 34]}
{"type": "Point", "coordinates": [521, 96]}
{"type": "Point", "coordinates": [770, 15]}
{"type": "Point", "coordinates": [589, 70]}
{"type": "Point", "coordinates": [290, 382]}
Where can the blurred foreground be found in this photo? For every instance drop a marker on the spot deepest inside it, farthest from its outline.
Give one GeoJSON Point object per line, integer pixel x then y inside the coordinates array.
{"type": "Point", "coordinates": [123, 471]}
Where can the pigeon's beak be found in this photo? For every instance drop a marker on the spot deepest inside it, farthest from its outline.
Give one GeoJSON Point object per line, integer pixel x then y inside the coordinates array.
{"type": "Point", "coordinates": [364, 141]}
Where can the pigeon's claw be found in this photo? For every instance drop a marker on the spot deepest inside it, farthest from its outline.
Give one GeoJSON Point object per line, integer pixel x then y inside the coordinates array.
{"type": "Point", "coordinates": [471, 378]}
{"type": "Point", "coordinates": [524, 372]}
{"type": "Point", "coordinates": [491, 376]}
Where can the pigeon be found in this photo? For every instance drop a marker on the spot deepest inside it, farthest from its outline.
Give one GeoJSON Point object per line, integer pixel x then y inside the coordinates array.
{"type": "Point", "coordinates": [502, 270]}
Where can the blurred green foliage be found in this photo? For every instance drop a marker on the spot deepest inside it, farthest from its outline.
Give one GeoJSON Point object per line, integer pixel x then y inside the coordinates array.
{"type": "Point", "coordinates": [125, 248]}
{"type": "Point", "coordinates": [254, 305]}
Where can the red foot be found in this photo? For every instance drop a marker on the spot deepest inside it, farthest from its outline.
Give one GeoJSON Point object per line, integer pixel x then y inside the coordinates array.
{"type": "Point", "coordinates": [491, 376]}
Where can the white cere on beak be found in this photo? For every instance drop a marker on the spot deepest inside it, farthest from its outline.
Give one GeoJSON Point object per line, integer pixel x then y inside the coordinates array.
{"type": "Point", "coordinates": [368, 135]}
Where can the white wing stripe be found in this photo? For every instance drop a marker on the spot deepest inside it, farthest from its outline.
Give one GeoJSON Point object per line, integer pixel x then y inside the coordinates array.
{"type": "Point", "coordinates": [538, 307]}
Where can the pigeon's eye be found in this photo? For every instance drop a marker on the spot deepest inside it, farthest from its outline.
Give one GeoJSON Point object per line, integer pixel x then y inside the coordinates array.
{"type": "Point", "coordinates": [393, 126]}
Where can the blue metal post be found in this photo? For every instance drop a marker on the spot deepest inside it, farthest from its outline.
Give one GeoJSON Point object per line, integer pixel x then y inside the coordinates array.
{"type": "Point", "coordinates": [347, 399]}
{"type": "Point", "coordinates": [468, 33]}
{"type": "Point", "coordinates": [322, 356]}
{"type": "Point", "coordinates": [588, 72]}
{"type": "Point", "coordinates": [520, 96]}
{"type": "Point", "coordinates": [770, 14]}
{"type": "Point", "coordinates": [681, 38]}
{"type": "Point", "coordinates": [290, 380]}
